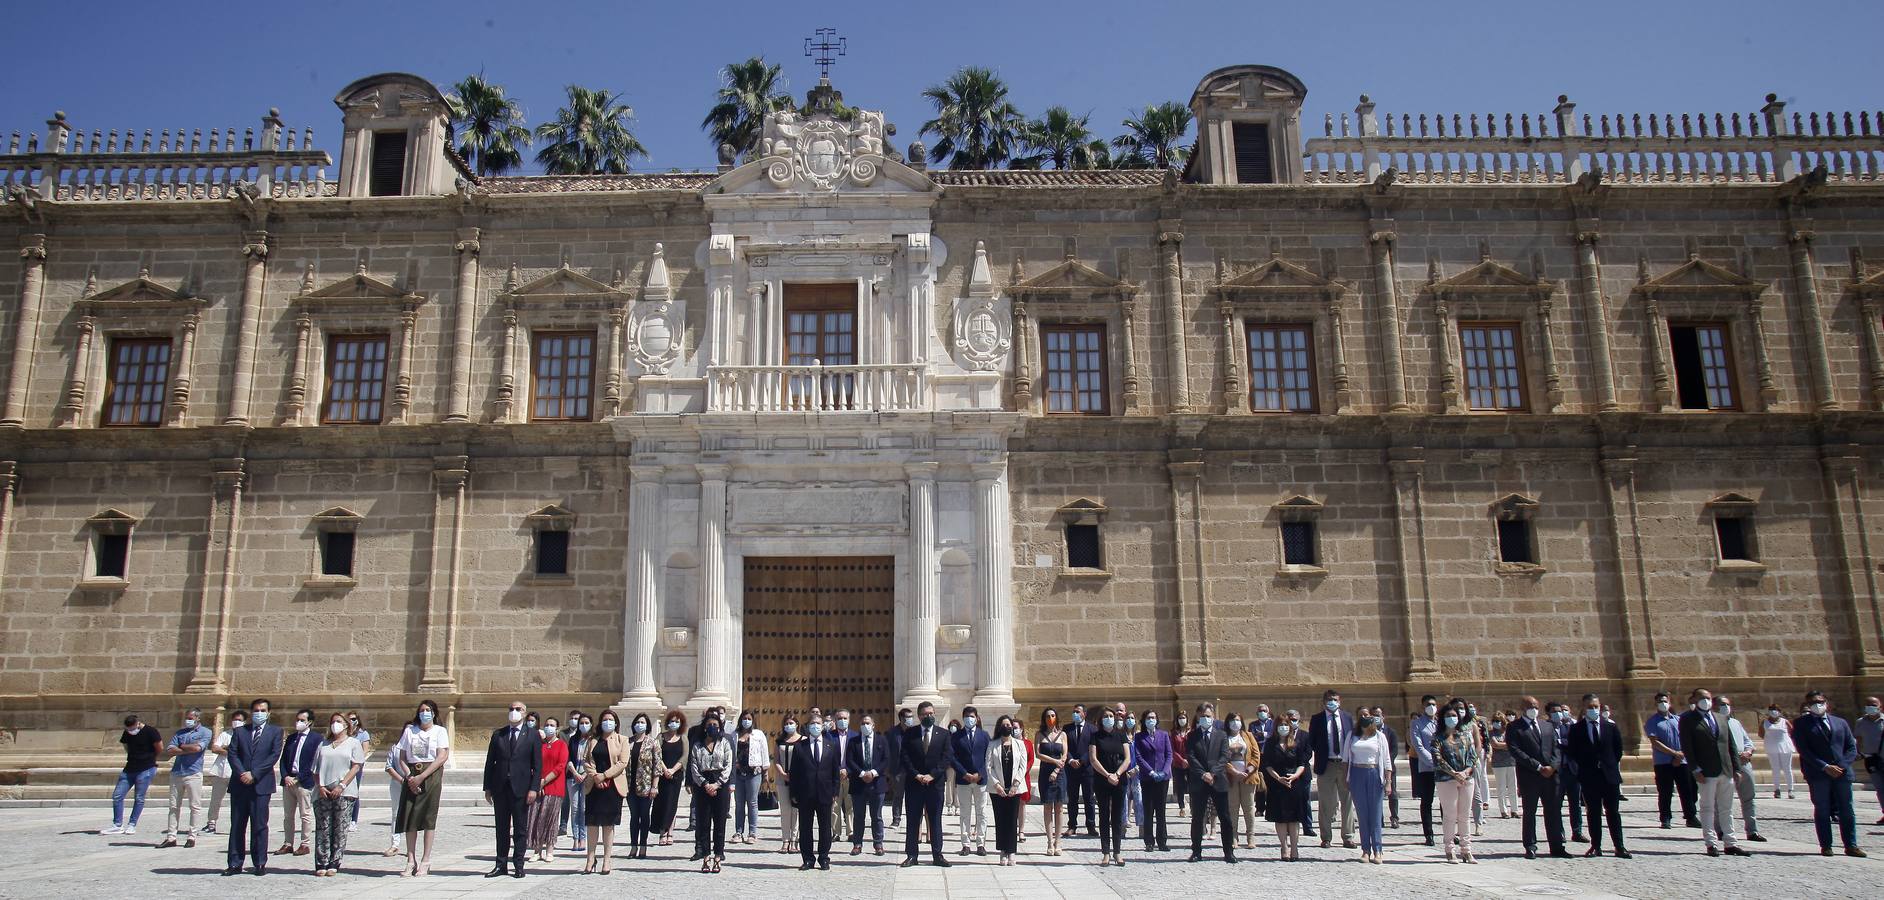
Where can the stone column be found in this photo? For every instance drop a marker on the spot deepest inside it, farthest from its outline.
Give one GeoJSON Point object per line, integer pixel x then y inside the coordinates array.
{"type": "Point", "coordinates": [1233, 402]}
{"type": "Point", "coordinates": [25, 328]}
{"type": "Point", "coordinates": [1408, 466]}
{"type": "Point", "coordinates": [248, 326]}
{"type": "Point", "coordinates": [612, 391]}
{"type": "Point", "coordinates": [291, 409]}
{"type": "Point", "coordinates": [1449, 398]}
{"type": "Point", "coordinates": [1023, 359]}
{"type": "Point", "coordinates": [1626, 546]}
{"type": "Point", "coordinates": [463, 320]}
{"type": "Point", "coordinates": [1169, 241]}
{"type": "Point", "coordinates": [9, 486]}
{"type": "Point", "coordinates": [1186, 468]}
{"type": "Point", "coordinates": [1395, 371]}
{"type": "Point", "coordinates": [507, 370]}
{"type": "Point", "coordinates": [1129, 349]}
{"type": "Point", "coordinates": [646, 497]}
{"type": "Point", "coordinates": [219, 567]}
{"type": "Point", "coordinates": [1589, 274]}
{"type": "Point", "coordinates": [72, 408]}
{"type": "Point", "coordinates": [712, 685]}
{"type": "Point", "coordinates": [1844, 467]}
{"type": "Point", "coordinates": [399, 411]}
{"type": "Point", "coordinates": [1762, 356]}
{"type": "Point", "coordinates": [180, 378]}
{"type": "Point", "coordinates": [451, 477]}
{"type": "Point", "coordinates": [925, 612]}
{"type": "Point", "coordinates": [1547, 348]}
{"type": "Point", "coordinates": [1805, 275]}
{"type": "Point", "coordinates": [1659, 369]}
{"type": "Point", "coordinates": [1873, 311]}
{"type": "Point", "coordinates": [994, 609]}
{"type": "Point", "coordinates": [1337, 343]}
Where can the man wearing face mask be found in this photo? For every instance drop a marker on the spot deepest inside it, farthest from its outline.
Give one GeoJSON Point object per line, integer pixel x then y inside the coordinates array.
{"type": "Point", "coordinates": [1596, 748]}
{"type": "Point", "coordinates": [298, 784]}
{"type": "Point", "coordinates": [893, 771]}
{"type": "Point", "coordinates": [814, 786]}
{"type": "Point", "coordinates": [926, 754]}
{"type": "Point", "coordinates": [1209, 781]}
{"type": "Point", "coordinates": [1533, 743]}
{"type": "Point", "coordinates": [864, 764]}
{"type": "Point", "coordinates": [1869, 730]}
{"type": "Point", "coordinates": [837, 730]}
{"type": "Point", "coordinates": [1710, 761]}
{"type": "Point", "coordinates": [1568, 782]}
{"type": "Point", "coordinates": [141, 744]}
{"type": "Point", "coordinates": [1672, 774]}
{"type": "Point", "coordinates": [1079, 775]}
{"type": "Point", "coordinates": [513, 769]}
{"type": "Point", "coordinates": [253, 751]}
{"type": "Point", "coordinates": [1328, 732]}
{"type": "Point", "coordinates": [1420, 750]}
{"type": "Point", "coordinates": [1827, 753]}
{"type": "Point", "coordinates": [970, 762]}
{"type": "Point", "coordinates": [185, 749]}
{"type": "Point", "coordinates": [1742, 744]}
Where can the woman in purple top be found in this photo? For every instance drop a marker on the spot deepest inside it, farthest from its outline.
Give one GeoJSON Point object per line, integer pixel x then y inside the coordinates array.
{"type": "Point", "coordinates": [1152, 749]}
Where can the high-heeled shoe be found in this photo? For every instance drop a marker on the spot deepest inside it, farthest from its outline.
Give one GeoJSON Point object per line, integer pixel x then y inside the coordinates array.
{"type": "Point", "coordinates": [588, 868]}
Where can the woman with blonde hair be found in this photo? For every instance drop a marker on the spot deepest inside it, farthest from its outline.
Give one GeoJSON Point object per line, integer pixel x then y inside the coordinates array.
{"type": "Point", "coordinates": [1246, 776]}
{"type": "Point", "coordinates": [336, 762]}
{"type": "Point", "coordinates": [604, 790]}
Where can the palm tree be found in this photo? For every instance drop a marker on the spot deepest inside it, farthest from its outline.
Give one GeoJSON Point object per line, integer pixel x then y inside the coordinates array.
{"type": "Point", "coordinates": [589, 136]}
{"type": "Point", "coordinates": [748, 91]}
{"type": "Point", "coordinates": [976, 127]}
{"type": "Point", "coordinates": [1154, 135]}
{"type": "Point", "coordinates": [1060, 138]}
{"type": "Point", "coordinates": [487, 125]}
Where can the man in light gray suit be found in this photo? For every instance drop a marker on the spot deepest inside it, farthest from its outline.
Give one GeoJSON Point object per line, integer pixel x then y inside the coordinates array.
{"type": "Point", "coordinates": [1208, 747]}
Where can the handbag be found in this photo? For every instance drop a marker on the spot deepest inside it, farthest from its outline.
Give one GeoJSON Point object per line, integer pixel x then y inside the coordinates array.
{"type": "Point", "coordinates": [768, 800]}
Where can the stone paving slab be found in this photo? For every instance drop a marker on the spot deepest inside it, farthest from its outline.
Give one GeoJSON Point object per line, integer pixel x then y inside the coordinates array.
{"type": "Point", "coordinates": [58, 852]}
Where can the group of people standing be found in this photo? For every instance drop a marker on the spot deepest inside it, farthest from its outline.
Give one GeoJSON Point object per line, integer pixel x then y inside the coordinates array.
{"type": "Point", "coordinates": [545, 777]}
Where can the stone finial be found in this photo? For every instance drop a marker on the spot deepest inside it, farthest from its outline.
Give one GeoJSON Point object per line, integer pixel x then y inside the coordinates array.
{"type": "Point", "coordinates": [980, 279]}
{"type": "Point", "coordinates": [91, 283]}
{"type": "Point", "coordinates": [658, 280]}
{"type": "Point", "coordinates": [1641, 268]}
{"type": "Point", "coordinates": [1432, 270]}
{"type": "Point", "coordinates": [918, 155]}
{"type": "Point", "coordinates": [1484, 251]}
{"type": "Point", "coordinates": [726, 157]}
{"type": "Point", "coordinates": [511, 282]}
{"type": "Point", "coordinates": [1017, 273]}
{"type": "Point", "coordinates": [307, 279]}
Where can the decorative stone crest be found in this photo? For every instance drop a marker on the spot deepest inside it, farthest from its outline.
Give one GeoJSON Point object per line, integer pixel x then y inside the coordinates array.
{"type": "Point", "coordinates": [982, 329]}
{"type": "Point", "coordinates": [654, 325]}
{"type": "Point", "coordinates": [822, 152]}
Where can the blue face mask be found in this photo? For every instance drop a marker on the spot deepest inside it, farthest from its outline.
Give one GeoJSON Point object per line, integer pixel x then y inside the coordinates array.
{"type": "Point", "coordinates": [425, 717]}
{"type": "Point", "coordinates": [1203, 722]}
{"type": "Point", "coordinates": [1108, 722]}
{"type": "Point", "coordinates": [1131, 723]}
{"type": "Point", "coordinates": [259, 717]}
{"type": "Point", "coordinates": [641, 728]}
{"type": "Point", "coordinates": [1452, 721]}
{"type": "Point", "coordinates": [608, 726]}
{"type": "Point", "coordinates": [583, 728]}
{"type": "Point", "coordinates": [1593, 715]}
{"type": "Point", "coordinates": [791, 727]}
{"type": "Point", "coordinates": [1078, 718]}
{"type": "Point", "coordinates": [1332, 705]}
{"type": "Point", "coordinates": [969, 722]}
{"type": "Point", "coordinates": [817, 729]}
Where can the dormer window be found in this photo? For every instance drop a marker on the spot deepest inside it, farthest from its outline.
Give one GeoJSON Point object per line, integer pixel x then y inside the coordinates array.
{"type": "Point", "coordinates": [387, 177]}
{"type": "Point", "coordinates": [1251, 143]}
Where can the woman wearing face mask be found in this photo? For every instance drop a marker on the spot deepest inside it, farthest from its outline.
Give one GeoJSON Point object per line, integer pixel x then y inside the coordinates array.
{"type": "Point", "coordinates": [1777, 732]}
{"type": "Point", "coordinates": [673, 772]}
{"type": "Point", "coordinates": [752, 755]}
{"type": "Point", "coordinates": [1370, 770]}
{"type": "Point", "coordinates": [218, 769]}
{"type": "Point", "coordinates": [1245, 777]}
{"type": "Point", "coordinates": [336, 762]}
{"type": "Point", "coordinates": [644, 783]}
{"type": "Point", "coordinates": [789, 741]}
{"type": "Point", "coordinates": [1180, 759]}
{"type": "Point", "coordinates": [423, 748]}
{"type": "Point", "coordinates": [1152, 749]}
{"type": "Point", "coordinates": [1110, 757]}
{"type": "Point", "coordinates": [1006, 768]}
{"type": "Point", "coordinates": [709, 770]}
{"type": "Point", "coordinates": [1455, 760]}
{"type": "Point", "coordinates": [1504, 766]}
{"type": "Point", "coordinates": [1285, 774]}
{"type": "Point", "coordinates": [1050, 743]}
{"type": "Point", "coordinates": [581, 741]}
{"type": "Point", "coordinates": [549, 797]}
{"type": "Point", "coordinates": [608, 763]}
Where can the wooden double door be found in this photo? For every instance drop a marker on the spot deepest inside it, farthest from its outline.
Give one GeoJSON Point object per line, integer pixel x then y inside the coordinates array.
{"type": "Point", "coordinates": [819, 631]}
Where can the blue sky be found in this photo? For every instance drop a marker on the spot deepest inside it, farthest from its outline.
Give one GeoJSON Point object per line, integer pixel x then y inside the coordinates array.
{"type": "Point", "coordinates": [118, 65]}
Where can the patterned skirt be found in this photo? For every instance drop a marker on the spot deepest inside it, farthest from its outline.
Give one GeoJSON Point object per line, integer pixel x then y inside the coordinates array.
{"type": "Point", "coordinates": [543, 815]}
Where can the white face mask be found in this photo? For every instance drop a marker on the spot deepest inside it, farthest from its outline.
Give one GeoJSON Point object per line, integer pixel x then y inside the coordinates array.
{"type": "Point", "coordinates": [1432, 709]}
{"type": "Point", "coordinates": [1818, 709]}
{"type": "Point", "coordinates": [301, 724]}
{"type": "Point", "coordinates": [1282, 729]}
{"type": "Point", "coordinates": [1531, 713]}
{"type": "Point", "coordinates": [1704, 704]}
{"type": "Point", "coordinates": [1726, 709]}
{"type": "Point", "coordinates": [338, 727]}
{"type": "Point", "coordinates": [1661, 706]}
{"type": "Point", "coordinates": [516, 715]}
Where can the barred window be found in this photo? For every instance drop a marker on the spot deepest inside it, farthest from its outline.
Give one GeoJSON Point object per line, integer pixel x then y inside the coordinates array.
{"type": "Point", "coordinates": [356, 380]}
{"type": "Point", "coordinates": [1281, 368]}
{"type": "Point", "coordinates": [1494, 367]}
{"type": "Point", "coordinates": [1075, 362]}
{"type": "Point", "coordinates": [552, 552]}
{"type": "Point", "coordinates": [337, 553]}
{"type": "Point", "coordinates": [1082, 547]}
{"type": "Point", "coordinates": [565, 376]}
{"type": "Point", "coordinates": [1298, 544]}
{"type": "Point", "coordinates": [140, 376]}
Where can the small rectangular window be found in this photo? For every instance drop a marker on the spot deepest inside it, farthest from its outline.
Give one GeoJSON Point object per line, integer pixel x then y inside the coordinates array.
{"type": "Point", "coordinates": [1703, 359]}
{"type": "Point", "coordinates": [1082, 547]}
{"type": "Point", "coordinates": [337, 553]}
{"type": "Point", "coordinates": [387, 177]}
{"type": "Point", "coordinates": [552, 553]}
{"type": "Point", "coordinates": [1734, 538]}
{"type": "Point", "coordinates": [1281, 368]}
{"type": "Point", "coordinates": [1251, 140]}
{"type": "Point", "coordinates": [110, 552]}
{"type": "Point", "coordinates": [1514, 542]}
{"type": "Point", "coordinates": [1494, 367]}
{"type": "Point", "coordinates": [1074, 358]}
{"type": "Point", "coordinates": [564, 365]}
{"type": "Point", "coordinates": [139, 380]}
{"type": "Point", "coordinates": [1298, 544]}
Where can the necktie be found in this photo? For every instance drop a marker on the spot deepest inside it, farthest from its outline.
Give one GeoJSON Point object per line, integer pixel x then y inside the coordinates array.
{"type": "Point", "coordinates": [1712, 726]}
{"type": "Point", "coordinates": [925, 740]}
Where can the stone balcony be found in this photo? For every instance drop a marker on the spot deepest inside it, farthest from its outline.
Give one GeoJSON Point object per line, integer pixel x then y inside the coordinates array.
{"type": "Point", "coordinates": [818, 388]}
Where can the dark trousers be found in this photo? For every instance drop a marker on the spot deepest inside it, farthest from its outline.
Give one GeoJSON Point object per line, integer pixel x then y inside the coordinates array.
{"type": "Point", "coordinates": [895, 798]}
{"type": "Point", "coordinates": [562, 818]}
{"type": "Point", "coordinates": [1603, 801]}
{"type": "Point", "coordinates": [513, 821]}
{"type": "Point", "coordinates": [1393, 803]}
{"type": "Point", "coordinates": [1546, 794]}
{"type": "Point", "coordinates": [248, 824]}
{"type": "Point", "coordinates": [1079, 792]}
{"type": "Point", "coordinates": [1573, 800]}
{"type": "Point", "coordinates": [1201, 799]}
{"type": "Point", "coordinates": [640, 817]}
{"type": "Point", "coordinates": [666, 803]}
{"type": "Point", "coordinates": [819, 814]}
{"type": "Point", "coordinates": [866, 802]}
{"type": "Point", "coordinates": [1832, 797]}
{"type": "Point", "coordinates": [1423, 789]}
{"type": "Point", "coordinates": [1152, 829]}
{"type": "Point", "coordinates": [709, 830]}
{"type": "Point", "coordinates": [1006, 824]}
{"type": "Point", "coordinates": [1671, 778]}
{"type": "Point", "coordinates": [1111, 812]}
{"type": "Point", "coordinates": [920, 802]}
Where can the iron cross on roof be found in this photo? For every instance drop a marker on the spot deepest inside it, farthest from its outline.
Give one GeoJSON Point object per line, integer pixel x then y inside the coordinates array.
{"type": "Point", "coordinates": [824, 53]}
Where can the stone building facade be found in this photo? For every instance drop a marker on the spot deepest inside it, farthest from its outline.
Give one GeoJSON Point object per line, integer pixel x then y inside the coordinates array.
{"type": "Point", "coordinates": [1545, 405]}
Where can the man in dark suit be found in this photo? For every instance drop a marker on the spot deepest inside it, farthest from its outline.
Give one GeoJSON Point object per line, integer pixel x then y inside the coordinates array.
{"type": "Point", "coordinates": [838, 731]}
{"type": "Point", "coordinates": [925, 773]}
{"type": "Point", "coordinates": [298, 779]}
{"type": "Point", "coordinates": [1328, 731]}
{"type": "Point", "coordinates": [893, 771]}
{"type": "Point", "coordinates": [1596, 747]}
{"type": "Point", "coordinates": [1209, 781]}
{"type": "Point", "coordinates": [1707, 750]}
{"type": "Point", "coordinates": [864, 767]}
{"type": "Point", "coordinates": [253, 752]}
{"type": "Point", "coordinates": [513, 771]}
{"type": "Point", "coordinates": [815, 769]}
{"type": "Point", "coordinates": [1533, 743]}
{"type": "Point", "coordinates": [1568, 781]}
{"type": "Point", "coordinates": [1827, 753]}
{"type": "Point", "coordinates": [1079, 775]}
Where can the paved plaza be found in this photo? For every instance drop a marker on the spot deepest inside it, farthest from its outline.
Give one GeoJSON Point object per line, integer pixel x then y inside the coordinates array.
{"type": "Point", "coordinates": [58, 852]}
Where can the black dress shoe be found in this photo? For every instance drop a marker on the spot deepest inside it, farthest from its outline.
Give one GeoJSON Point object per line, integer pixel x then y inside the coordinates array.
{"type": "Point", "coordinates": [825, 866]}
{"type": "Point", "coordinates": [907, 862]}
{"type": "Point", "coordinates": [941, 861]}
{"type": "Point", "coordinates": [1560, 853]}
{"type": "Point", "coordinates": [1195, 857]}
{"type": "Point", "coordinates": [498, 871]}
{"type": "Point", "coordinates": [696, 857]}
{"type": "Point", "coordinates": [1712, 852]}
{"type": "Point", "coordinates": [807, 866]}
{"type": "Point", "coordinates": [1693, 823]}
{"type": "Point", "coordinates": [1593, 851]}
{"type": "Point", "coordinates": [1624, 854]}
{"type": "Point", "coordinates": [1579, 839]}
{"type": "Point", "coordinates": [1530, 854]}
{"type": "Point", "coordinates": [1736, 851]}
{"type": "Point", "coordinates": [234, 870]}
{"type": "Point", "coordinates": [259, 871]}
{"type": "Point", "coordinates": [1825, 851]}
{"type": "Point", "coordinates": [1757, 838]}
{"type": "Point", "coordinates": [1231, 858]}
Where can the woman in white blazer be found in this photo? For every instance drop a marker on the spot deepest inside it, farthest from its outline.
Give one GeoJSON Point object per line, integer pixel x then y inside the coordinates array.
{"type": "Point", "coordinates": [1006, 770]}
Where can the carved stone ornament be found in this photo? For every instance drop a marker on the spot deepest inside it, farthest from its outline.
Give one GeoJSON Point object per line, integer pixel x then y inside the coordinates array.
{"type": "Point", "coordinates": [654, 336]}
{"type": "Point", "coordinates": [983, 325]}
{"type": "Point", "coordinates": [822, 152]}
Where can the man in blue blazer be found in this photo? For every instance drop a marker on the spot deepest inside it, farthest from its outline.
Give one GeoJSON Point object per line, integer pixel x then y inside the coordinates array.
{"type": "Point", "coordinates": [1327, 732]}
{"type": "Point", "coordinates": [814, 778]}
{"type": "Point", "coordinates": [1827, 751]}
{"type": "Point", "coordinates": [253, 752]}
{"type": "Point", "coordinates": [1596, 748]}
{"type": "Point", "coordinates": [925, 769]}
{"type": "Point", "coordinates": [867, 767]}
{"type": "Point", "coordinates": [298, 784]}
{"type": "Point", "coordinates": [969, 757]}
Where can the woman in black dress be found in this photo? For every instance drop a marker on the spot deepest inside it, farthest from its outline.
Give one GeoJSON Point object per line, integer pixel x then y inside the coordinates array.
{"type": "Point", "coordinates": [608, 763]}
{"type": "Point", "coordinates": [1050, 745]}
{"type": "Point", "coordinates": [673, 772]}
{"type": "Point", "coordinates": [1285, 773]}
{"type": "Point", "coordinates": [1110, 758]}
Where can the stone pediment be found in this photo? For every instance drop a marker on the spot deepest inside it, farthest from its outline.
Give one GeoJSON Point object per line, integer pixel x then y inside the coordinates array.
{"type": "Point", "coordinates": [562, 281]}
{"type": "Point", "coordinates": [1732, 503]}
{"type": "Point", "coordinates": [1514, 507]}
{"type": "Point", "coordinates": [1279, 276]}
{"type": "Point", "coordinates": [140, 293]}
{"type": "Point", "coordinates": [1073, 278]}
{"type": "Point", "coordinates": [1490, 276]}
{"type": "Point", "coordinates": [820, 151]}
{"type": "Point", "coordinates": [356, 289]}
{"type": "Point", "coordinates": [1872, 286]}
{"type": "Point", "coordinates": [1696, 276]}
